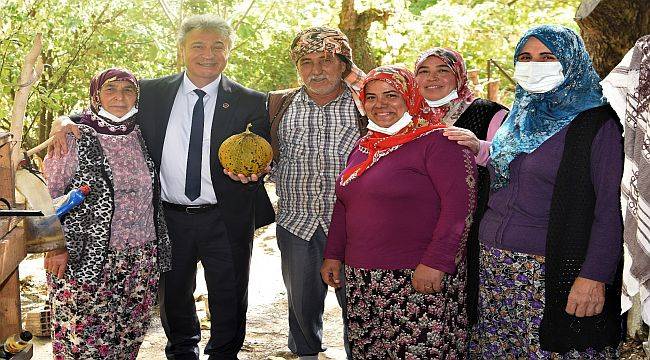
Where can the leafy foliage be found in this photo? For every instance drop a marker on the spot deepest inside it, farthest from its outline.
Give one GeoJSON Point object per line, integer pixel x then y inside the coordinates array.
{"type": "Point", "coordinates": [82, 37]}
{"type": "Point", "coordinates": [416, 6]}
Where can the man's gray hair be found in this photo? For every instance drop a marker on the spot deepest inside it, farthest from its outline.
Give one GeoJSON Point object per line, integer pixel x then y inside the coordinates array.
{"type": "Point", "coordinates": [207, 22]}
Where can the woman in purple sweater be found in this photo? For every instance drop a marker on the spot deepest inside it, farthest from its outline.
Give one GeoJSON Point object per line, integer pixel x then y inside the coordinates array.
{"type": "Point", "coordinates": [551, 237]}
{"type": "Point", "coordinates": [400, 222]}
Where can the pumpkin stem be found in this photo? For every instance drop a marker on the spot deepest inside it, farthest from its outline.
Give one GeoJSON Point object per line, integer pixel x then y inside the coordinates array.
{"type": "Point", "coordinates": [248, 127]}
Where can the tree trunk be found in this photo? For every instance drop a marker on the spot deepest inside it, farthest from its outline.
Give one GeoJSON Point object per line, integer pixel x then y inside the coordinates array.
{"type": "Point", "coordinates": [610, 28]}
{"type": "Point", "coordinates": [42, 128]}
{"type": "Point", "coordinates": [356, 25]}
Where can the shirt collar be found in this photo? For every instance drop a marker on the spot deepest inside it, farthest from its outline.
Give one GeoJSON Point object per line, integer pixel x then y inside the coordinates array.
{"type": "Point", "coordinates": [346, 94]}
{"type": "Point", "coordinates": [211, 89]}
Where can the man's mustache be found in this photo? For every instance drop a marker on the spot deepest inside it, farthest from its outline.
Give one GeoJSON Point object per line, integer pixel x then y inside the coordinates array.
{"type": "Point", "coordinates": [317, 78]}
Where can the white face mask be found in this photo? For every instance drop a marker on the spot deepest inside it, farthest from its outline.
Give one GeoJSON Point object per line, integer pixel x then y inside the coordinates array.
{"type": "Point", "coordinates": [453, 95]}
{"type": "Point", "coordinates": [114, 118]}
{"type": "Point", "coordinates": [393, 129]}
{"type": "Point", "coordinates": [539, 77]}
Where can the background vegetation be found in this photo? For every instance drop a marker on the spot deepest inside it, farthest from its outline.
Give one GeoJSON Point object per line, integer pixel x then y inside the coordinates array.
{"type": "Point", "coordinates": [82, 37]}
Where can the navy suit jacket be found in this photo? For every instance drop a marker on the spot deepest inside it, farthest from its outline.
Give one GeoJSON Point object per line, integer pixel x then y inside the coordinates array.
{"type": "Point", "coordinates": [244, 207]}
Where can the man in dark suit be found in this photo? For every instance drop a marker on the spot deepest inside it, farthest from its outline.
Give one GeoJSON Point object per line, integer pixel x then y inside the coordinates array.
{"type": "Point", "coordinates": [184, 118]}
{"type": "Point", "coordinates": [214, 224]}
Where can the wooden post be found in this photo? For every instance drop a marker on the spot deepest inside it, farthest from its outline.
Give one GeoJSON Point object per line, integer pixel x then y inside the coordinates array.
{"type": "Point", "coordinates": [472, 75]}
{"type": "Point", "coordinates": [493, 90]}
{"type": "Point", "coordinates": [489, 69]}
{"type": "Point", "coordinates": [32, 70]}
{"type": "Point", "coordinates": [7, 183]}
{"type": "Point", "coordinates": [10, 305]}
{"type": "Point", "coordinates": [12, 247]}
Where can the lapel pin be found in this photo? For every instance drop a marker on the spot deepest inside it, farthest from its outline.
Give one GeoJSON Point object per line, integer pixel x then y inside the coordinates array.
{"type": "Point", "coordinates": [226, 105]}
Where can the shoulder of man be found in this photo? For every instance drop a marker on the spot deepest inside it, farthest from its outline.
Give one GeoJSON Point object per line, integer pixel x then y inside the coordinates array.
{"type": "Point", "coordinates": [278, 102]}
{"type": "Point", "coordinates": [161, 81]}
{"type": "Point", "coordinates": [277, 98]}
{"type": "Point", "coordinates": [283, 92]}
{"type": "Point", "coordinates": [236, 87]}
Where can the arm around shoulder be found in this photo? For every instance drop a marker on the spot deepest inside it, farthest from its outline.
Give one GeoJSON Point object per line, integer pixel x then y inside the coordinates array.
{"type": "Point", "coordinates": [59, 170]}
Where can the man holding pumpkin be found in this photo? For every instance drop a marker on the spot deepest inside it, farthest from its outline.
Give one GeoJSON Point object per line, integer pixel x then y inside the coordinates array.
{"type": "Point", "coordinates": [184, 118]}
{"type": "Point", "coordinates": [313, 129]}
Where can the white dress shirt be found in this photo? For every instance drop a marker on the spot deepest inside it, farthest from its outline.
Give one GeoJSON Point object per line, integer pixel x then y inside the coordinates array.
{"type": "Point", "coordinates": [177, 142]}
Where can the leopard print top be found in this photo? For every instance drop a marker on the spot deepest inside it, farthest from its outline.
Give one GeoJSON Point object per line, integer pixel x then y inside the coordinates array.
{"type": "Point", "coordinates": [88, 225]}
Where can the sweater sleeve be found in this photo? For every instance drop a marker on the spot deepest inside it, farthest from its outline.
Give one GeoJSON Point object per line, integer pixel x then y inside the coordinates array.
{"type": "Point", "coordinates": [605, 244]}
{"type": "Point", "coordinates": [59, 171]}
{"type": "Point", "coordinates": [484, 145]}
{"type": "Point", "coordinates": [452, 170]}
{"type": "Point", "coordinates": [336, 235]}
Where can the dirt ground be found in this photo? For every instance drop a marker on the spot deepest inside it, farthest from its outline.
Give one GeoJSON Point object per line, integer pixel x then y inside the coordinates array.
{"type": "Point", "coordinates": [267, 329]}
{"type": "Point", "coordinates": [266, 335]}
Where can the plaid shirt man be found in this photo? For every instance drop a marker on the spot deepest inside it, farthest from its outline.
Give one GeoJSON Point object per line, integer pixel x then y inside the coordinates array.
{"type": "Point", "coordinates": [314, 145]}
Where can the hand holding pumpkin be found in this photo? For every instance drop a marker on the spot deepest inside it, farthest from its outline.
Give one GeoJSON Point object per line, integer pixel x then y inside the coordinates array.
{"type": "Point", "coordinates": [245, 179]}
{"type": "Point", "coordinates": [246, 156]}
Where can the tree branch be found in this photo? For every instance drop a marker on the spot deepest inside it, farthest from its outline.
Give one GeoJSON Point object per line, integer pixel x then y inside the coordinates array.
{"type": "Point", "coordinates": [94, 28]}
{"type": "Point", "coordinates": [241, 19]}
{"type": "Point", "coordinates": [32, 69]}
{"type": "Point", "coordinates": [259, 25]}
{"type": "Point", "coordinates": [167, 11]}
{"type": "Point", "coordinates": [371, 15]}
{"type": "Point", "coordinates": [31, 11]}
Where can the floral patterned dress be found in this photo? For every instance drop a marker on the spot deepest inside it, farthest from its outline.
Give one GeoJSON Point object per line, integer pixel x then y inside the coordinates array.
{"type": "Point", "coordinates": [511, 303]}
{"type": "Point", "coordinates": [108, 318]}
{"type": "Point", "coordinates": [388, 319]}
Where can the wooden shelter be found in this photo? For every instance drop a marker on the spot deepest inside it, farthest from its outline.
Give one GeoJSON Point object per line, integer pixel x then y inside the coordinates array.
{"type": "Point", "coordinates": [12, 252]}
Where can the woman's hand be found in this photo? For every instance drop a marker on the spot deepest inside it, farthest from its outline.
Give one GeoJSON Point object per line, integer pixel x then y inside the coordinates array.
{"type": "Point", "coordinates": [331, 272]}
{"type": "Point", "coordinates": [463, 137]}
{"type": "Point", "coordinates": [56, 262]}
{"type": "Point", "coordinates": [61, 127]}
{"type": "Point", "coordinates": [427, 280]}
{"type": "Point", "coordinates": [245, 179]}
{"type": "Point", "coordinates": [587, 298]}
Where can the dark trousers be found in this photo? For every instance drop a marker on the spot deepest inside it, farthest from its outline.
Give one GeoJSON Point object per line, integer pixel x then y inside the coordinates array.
{"type": "Point", "coordinates": [306, 291]}
{"type": "Point", "coordinates": [203, 237]}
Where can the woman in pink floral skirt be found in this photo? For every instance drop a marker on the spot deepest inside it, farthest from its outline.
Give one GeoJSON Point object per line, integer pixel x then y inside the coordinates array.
{"type": "Point", "coordinates": [103, 285]}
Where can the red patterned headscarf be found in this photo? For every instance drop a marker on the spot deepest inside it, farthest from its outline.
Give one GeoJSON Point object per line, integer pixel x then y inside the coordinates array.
{"type": "Point", "coordinates": [378, 145]}
{"type": "Point", "coordinates": [451, 112]}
